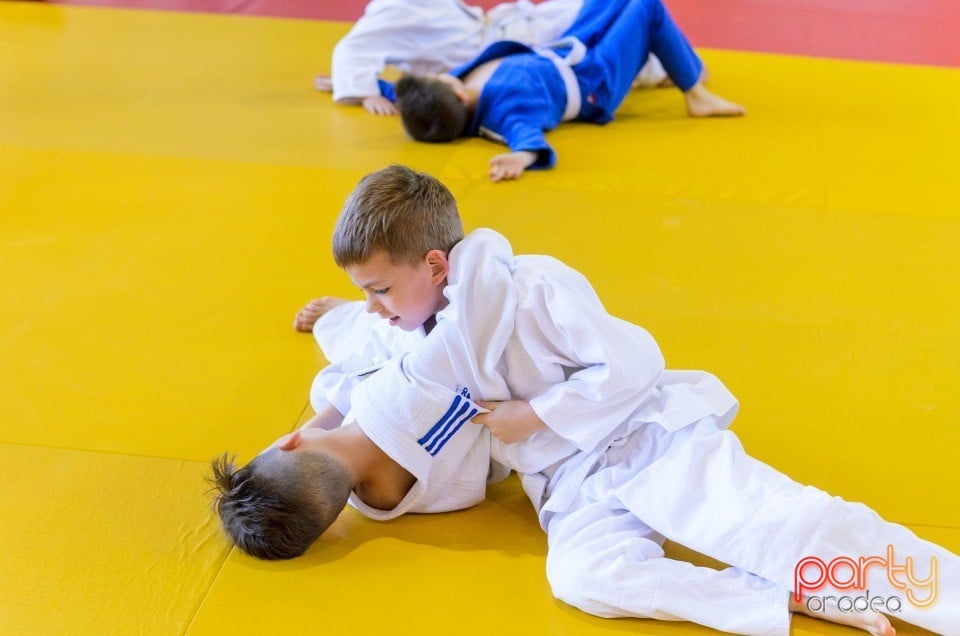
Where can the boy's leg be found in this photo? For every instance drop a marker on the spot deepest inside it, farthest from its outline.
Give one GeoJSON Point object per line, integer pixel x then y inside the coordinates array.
{"type": "Point", "coordinates": [631, 30]}
{"type": "Point", "coordinates": [619, 37]}
{"type": "Point", "coordinates": [707, 494]}
{"type": "Point", "coordinates": [606, 562]}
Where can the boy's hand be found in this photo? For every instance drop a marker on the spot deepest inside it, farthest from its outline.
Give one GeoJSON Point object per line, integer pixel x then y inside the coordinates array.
{"type": "Point", "coordinates": [510, 422]}
{"type": "Point", "coordinates": [323, 83]}
{"type": "Point", "coordinates": [379, 105]}
{"type": "Point", "coordinates": [511, 165]}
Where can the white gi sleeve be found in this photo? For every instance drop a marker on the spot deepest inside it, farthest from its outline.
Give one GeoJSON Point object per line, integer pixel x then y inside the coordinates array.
{"type": "Point", "coordinates": [355, 343]}
{"type": "Point", "coordinates": [426, 430]}
{"type": "Point", "coordinates": [612, 365]}
{"type": "Point", "coordinates": [421, 36]}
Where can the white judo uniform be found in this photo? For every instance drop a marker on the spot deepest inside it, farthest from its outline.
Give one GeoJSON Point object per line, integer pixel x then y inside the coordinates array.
{"type": "Point", "coordinates": [431, 36]}
{"type": "Point", "coordinates": [452, 467]}
{"type": "Point", "coordinates": [633, 454]}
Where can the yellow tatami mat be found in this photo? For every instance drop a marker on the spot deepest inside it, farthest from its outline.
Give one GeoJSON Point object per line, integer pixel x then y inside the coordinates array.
{"type": "Point", "coordinates": [168, 184]}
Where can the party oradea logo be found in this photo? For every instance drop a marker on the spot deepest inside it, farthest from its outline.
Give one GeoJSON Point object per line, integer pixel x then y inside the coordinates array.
{"type": "Point", "coordinates": [843, 573]}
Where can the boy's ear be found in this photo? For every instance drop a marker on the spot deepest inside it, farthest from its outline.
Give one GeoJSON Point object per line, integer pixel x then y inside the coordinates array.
{"type": "Point", "coordinates": [290, 442]}
{"type": "Point", "coordinates": [439, 265]}
{"type": "Point", "coordinates": [456, 85]}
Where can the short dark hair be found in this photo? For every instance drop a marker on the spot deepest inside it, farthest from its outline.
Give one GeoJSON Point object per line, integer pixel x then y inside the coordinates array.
{"type": "Point", "coordinates": [429, 109]}
{"type": "Point", "coordinates": [400, 211]}
{"type": "Point", "coordinates": [276, 507]}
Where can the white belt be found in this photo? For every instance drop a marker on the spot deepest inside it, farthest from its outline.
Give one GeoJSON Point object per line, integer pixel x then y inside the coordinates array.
{"type": "Point", "coordinates": [565, 65]}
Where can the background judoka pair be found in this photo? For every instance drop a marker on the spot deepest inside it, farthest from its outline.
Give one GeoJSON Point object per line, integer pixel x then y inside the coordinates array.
{"type": "Point", "coordinates": [513, 94]}
{"type": "Point", "coordinates": [433, 36]}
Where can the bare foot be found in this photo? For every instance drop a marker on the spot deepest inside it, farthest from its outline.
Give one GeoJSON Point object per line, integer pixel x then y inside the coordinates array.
{"type": "Point", "coordinates": [703, 103]}
{"type": "Point", "coordinates": [869, 621]}
{"type": "Point", "coordinates": [307, 316]}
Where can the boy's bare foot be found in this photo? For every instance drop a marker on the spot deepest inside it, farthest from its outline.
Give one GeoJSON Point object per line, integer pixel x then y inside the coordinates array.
{"type": "Point", "coordinates": [307, 316]}
{"type": "Point", "coordinates": [703, 103]}
{"type": "Point", "coordinates": [869, 621]}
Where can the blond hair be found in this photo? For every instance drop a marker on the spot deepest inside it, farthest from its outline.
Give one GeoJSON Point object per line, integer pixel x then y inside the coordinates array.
{"type": "Point", "coordinates": [397, 210]}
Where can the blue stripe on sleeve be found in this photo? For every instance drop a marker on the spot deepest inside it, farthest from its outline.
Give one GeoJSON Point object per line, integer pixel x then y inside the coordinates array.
{"type": "Point", "coordinates": [453, 431]}
{"type": "Point", "coordinates": [446, 427]}
{"type": "Point", "coordinates": [443, 420]}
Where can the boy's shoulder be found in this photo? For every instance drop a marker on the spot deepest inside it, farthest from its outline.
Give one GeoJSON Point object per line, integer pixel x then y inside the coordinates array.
{"type": "Point", "coordinates": [485, 247]}
{"type": "Point", "coordinates": [485, 259]}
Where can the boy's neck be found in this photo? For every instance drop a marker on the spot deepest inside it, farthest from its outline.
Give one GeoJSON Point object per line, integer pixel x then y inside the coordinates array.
{"type": "Point", "coordinates": [376, 478]}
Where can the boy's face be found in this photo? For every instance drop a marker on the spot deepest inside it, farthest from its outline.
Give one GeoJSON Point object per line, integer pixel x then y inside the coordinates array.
{"type": "Point", "coordinates": [406, 295]}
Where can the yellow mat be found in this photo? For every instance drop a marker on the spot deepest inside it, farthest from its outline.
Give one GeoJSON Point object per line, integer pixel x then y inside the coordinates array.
{"type": "Point", "coordinates": [168, 184]}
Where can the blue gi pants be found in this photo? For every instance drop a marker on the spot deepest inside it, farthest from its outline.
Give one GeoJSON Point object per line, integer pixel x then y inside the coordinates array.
{"type": "Point", "coordinates": [619, 35]}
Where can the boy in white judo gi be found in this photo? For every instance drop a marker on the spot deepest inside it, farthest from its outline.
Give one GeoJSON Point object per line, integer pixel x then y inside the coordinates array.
{"type": "Point", "coordinates": [513, 94]}
{"type": "Point", "coordinates": [432, 36]}
{"type": "Point", "coordinates": [615, 452]}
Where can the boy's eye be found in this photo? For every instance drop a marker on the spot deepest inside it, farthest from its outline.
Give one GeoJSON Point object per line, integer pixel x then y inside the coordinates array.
{"type": "Point", "coordinates": [381, 291]}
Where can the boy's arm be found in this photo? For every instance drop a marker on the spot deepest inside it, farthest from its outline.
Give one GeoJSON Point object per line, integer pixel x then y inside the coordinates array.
{"type": "Point", "coordinates": [528, 149]}
{"type": "Point", "coordinates": [388, 33]}
{"type": "Point", "coordinates": [361, 56]}
{"type": "Point", "coordinates": [354, 342]}
{"type": "Point", "coordinates": [517, 116]}
{"type": "Point", "coordinates": [525, 138]}
{"type": "Point", "coordinates": [617, 364]}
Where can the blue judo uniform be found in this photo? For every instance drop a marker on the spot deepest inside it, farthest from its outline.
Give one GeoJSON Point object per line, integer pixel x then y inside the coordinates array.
{"type": "Point", "coordinates": [526, 95]}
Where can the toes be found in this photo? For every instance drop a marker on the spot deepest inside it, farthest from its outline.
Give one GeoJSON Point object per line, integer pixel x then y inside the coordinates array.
{"type": "Point", "coordinates": [305, 319]}
{"type": "Point", "coordinates": [312, 311]}
{"type": "Point", "coordinates": [879, 625]}
{"type": "Point", "coordinates": [308, 316]}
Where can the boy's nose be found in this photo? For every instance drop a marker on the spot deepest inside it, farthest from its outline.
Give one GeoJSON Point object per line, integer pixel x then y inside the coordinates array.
{"type": "Point", "coordinates": [371, 305]}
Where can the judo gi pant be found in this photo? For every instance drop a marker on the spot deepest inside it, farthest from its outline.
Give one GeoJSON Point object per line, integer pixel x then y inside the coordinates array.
{"type": "Point", "coordinates": [698, 488]}
{"type": "Point", "coordinates": [619, 36]}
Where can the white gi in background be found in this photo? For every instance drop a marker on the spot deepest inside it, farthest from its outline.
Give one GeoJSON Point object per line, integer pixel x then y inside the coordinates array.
{"type": "Point", "coordinates": [431, 36]}
{"type": "Point", "coordinates": [633, 454]}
